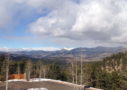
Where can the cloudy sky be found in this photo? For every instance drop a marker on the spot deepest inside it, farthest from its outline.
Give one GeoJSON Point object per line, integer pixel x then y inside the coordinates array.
{"type": "Point", "coordinates": [56, 24]}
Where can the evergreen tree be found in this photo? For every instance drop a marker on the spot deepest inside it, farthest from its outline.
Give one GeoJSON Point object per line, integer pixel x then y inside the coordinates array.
{"type": "Point", "coordinates": [22, 64]}
{"type": "Point", "coordinates": [54, 71]}
{"type": "Point", "coordinates": [1, 62]}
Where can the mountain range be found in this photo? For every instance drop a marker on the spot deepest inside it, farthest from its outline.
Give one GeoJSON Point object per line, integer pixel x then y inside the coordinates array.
{"type": "Point", "coordinates": [88, 54]}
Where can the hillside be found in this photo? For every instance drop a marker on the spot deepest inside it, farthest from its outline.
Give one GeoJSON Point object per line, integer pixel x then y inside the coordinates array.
{"type": "Point", "coordinates": [116, 62]}
{"type": "Point", "coordinates": [110, 73]}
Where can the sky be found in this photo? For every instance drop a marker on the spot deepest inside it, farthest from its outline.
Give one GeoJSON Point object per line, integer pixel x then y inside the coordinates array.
{"type": "Point", "coordinates": [56, 24]}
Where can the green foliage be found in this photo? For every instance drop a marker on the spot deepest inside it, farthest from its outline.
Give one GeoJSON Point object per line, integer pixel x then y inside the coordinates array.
{"type": "Point", "coordinates": [22, 64]}
{"type": "Point", "coordinates": [1, 62]}
{"type": "Point", "coordinates": [115, 81]}
{"type": "Point", "coordinates": [54, 71]}
{"type": "Point", "coordinates": [100, 76]}
{"type": "Point", "coordinates": [13, 68]}
{"type": "Point", "coordinates": [63, 76]}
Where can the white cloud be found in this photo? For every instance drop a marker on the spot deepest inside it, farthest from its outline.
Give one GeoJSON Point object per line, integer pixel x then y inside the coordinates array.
{"type": "Point", "coordinates": [30, 49]}
{"type": "Point", "coordinates": [4, 17]}
{"type": "Point", "coordinates": [94, 20]}
{"type": "Point", "coordinates": [68, 48]}
{"type": "Point", "coordinates": [69, 23]}
{"type": "Point", "coordinates": [4, 49]}
{"type": "Point", "coordinates": [43, 48]}
{"type": "Point", "coordinates": [19, 38]}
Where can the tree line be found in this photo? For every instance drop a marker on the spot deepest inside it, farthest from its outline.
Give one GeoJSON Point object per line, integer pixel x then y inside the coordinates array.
{"type": "Point", "coordinates": [32, 70]}
{"type": "Point", "coordinates": [108, 74]}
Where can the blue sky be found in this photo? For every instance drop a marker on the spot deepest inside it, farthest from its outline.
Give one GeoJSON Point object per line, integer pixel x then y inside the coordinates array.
{"type": "Point", "coordinates": [56, 24]}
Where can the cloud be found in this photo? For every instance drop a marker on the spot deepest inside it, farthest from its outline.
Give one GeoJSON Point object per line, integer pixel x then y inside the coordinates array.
{"type": "Point", "coordinates": [4, 49]}
{"type": "Point", "coordinates": [58, 22]}
{"type": "Point", "coordinates": [4, 17]}
{"type": "Point", "coordinates": [30, 49]}
{"type": "Point", "coordinates": [93, 20]}
{"type": "Point", "coordinates": [24, 37]}
{"type": "Point", "coordinates": [69, 23]}
{"type": "Point", "coordinates": [43, 48]}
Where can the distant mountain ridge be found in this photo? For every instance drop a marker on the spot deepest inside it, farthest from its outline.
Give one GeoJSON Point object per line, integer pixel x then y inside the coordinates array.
{"type": "Point", "coordinates": [88, 54]}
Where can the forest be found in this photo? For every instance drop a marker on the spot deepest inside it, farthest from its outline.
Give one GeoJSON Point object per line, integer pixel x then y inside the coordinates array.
{"type": "Point", "coordinates": [108, 74]}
